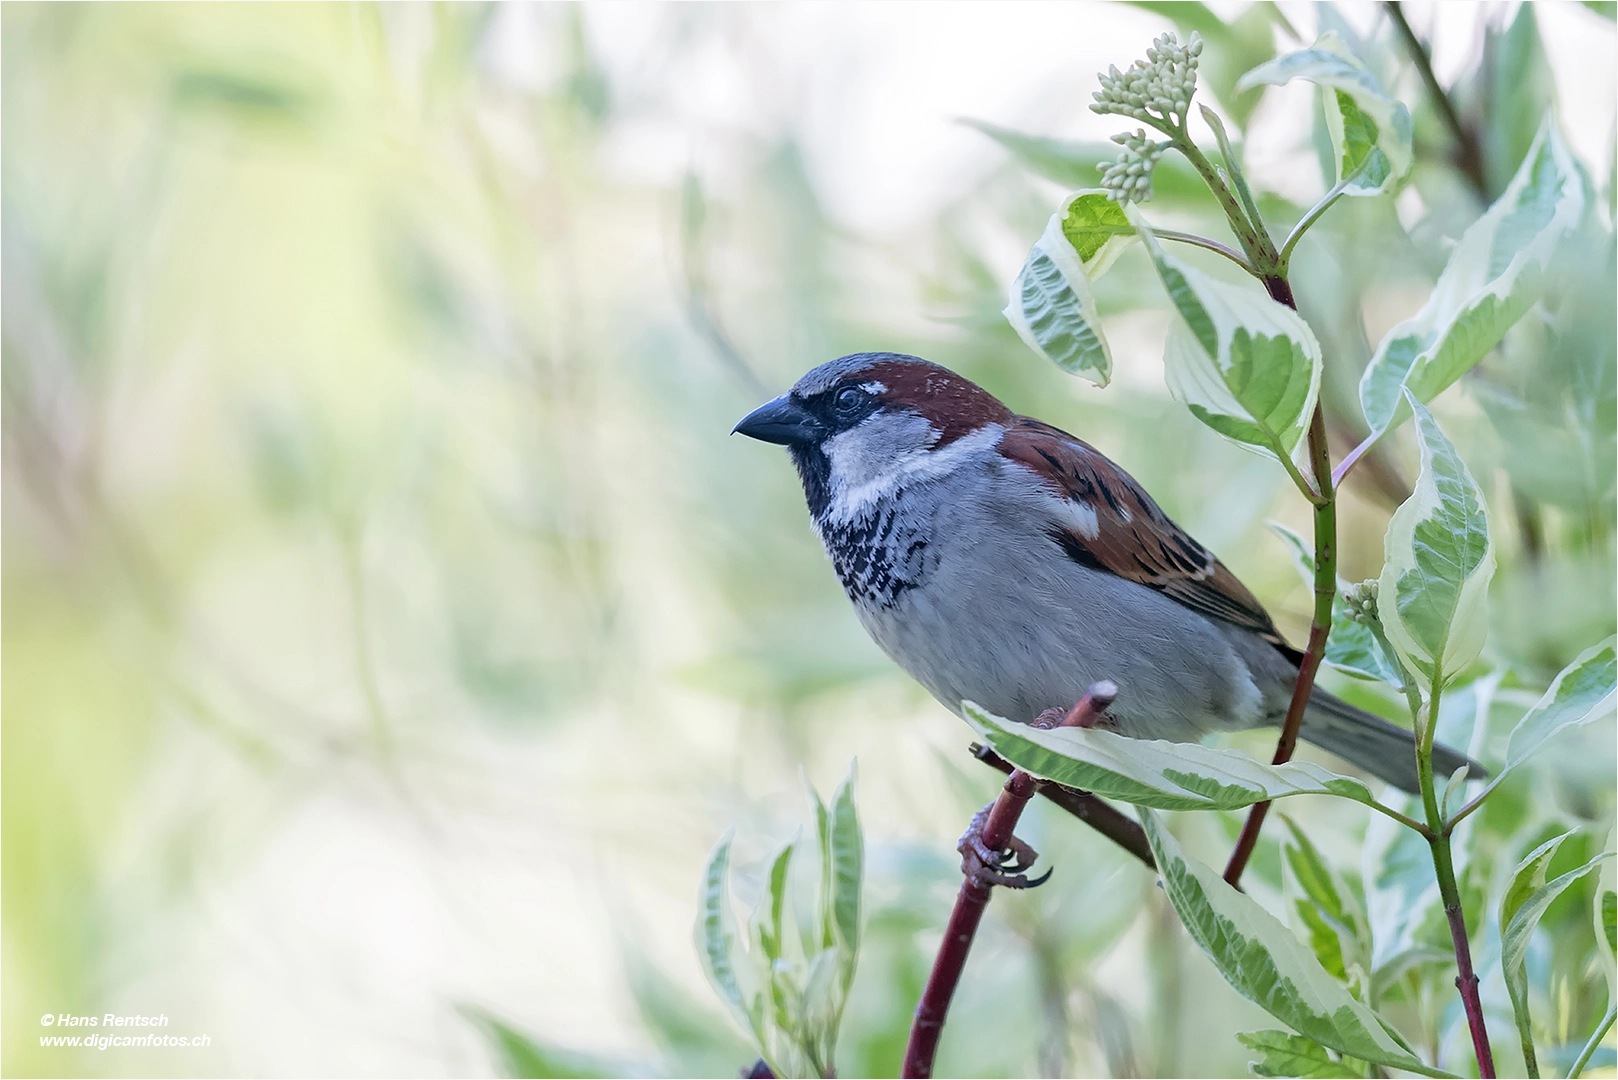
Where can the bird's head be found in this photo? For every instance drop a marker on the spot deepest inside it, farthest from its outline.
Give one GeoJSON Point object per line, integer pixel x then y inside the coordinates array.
{"type": "Point", "coordinates": [861, 427]}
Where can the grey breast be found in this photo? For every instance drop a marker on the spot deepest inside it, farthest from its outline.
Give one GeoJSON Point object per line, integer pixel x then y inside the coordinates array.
{"type": "Point", "coordinates": [988, 609]}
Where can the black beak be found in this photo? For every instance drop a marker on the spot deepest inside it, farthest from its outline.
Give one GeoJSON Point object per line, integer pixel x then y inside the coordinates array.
{"type": "Point", "coordinates": [781, 421]}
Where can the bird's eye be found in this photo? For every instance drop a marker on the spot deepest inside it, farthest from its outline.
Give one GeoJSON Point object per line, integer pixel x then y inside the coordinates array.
{"type": "Point", "coordinates": [850, 401]}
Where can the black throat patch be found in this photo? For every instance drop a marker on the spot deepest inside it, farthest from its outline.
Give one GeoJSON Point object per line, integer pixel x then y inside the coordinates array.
{"type": "Point", "coordinates": [880, 555]}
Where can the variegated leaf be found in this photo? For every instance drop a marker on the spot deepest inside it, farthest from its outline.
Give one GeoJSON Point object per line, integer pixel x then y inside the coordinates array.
{"type": "Point", "coordinates": [1147, 772]}
{"type": "Point", "coordinates": [1267, 964]}
{"type": "Point", "coordinates": [1437, 563]}
{"type": "Point", "coordinates": [1052, 306]}
{"type": "Point", "coordinates": [1583, 691]}
{"type": "Point", "coordinates": [1370, 131]}
{"type": "Point", "coordinates": [1525, 901]}
{"type": "Point", "coordinates": [1245, 365]}
{"type": "Point", "coordinates": [1494, 275]}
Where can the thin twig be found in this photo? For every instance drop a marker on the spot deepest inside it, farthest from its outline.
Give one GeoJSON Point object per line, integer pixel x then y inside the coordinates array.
{"type": "Point", "coordinates": [1595, 1041]}
{"type": "Point", "coordinates": [1468, 155]}
{"type": "Point", "coordinates": [1466, 811]}
{"type": "Point", "coordinates": [1380, 474]}
{"type": "Point", "coordinates": [973, 898]}
{"type": "Point", "coordinates": [1316, 211]}
{"type": "Point", "coordinates": [1353, 456]}
{"type": "Point", "coordinates": [1425, 717]}
{"type": "Point", "coordinates": [1320, 626]}
{"type": "Point", "coordinates": [1203, 242]}
{"type": "Point", "coordinates": [1239, 181]}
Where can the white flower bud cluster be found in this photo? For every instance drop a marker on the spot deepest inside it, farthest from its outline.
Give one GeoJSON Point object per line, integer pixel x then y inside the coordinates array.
{"type": "Point", "coordinates": [1129, 179]}
{"type": "Point", "coordinates": [1360, 600]}
{"type": "Point", "coordinates": [1162, 84]}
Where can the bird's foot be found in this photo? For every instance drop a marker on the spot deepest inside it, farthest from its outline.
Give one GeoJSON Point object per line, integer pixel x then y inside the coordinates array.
{"type": "Point", "coordinates": [1050, 718]}
{"type": "Point", "coordinates": [1090, 712]}
{"type": "Point", "coordinates": [1008, 868]}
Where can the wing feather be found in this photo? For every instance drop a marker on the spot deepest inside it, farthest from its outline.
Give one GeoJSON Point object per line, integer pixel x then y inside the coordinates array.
{"type": "Point", "coordinates": [1133, 538]}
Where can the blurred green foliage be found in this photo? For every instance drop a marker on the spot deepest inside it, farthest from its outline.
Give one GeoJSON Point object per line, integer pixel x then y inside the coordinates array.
{"type": "Point", "coordinates": [366, 491]}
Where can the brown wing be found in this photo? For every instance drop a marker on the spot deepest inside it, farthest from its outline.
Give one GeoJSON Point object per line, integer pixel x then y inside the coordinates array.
{"type": "Point", "coordinates": [1133, 537]}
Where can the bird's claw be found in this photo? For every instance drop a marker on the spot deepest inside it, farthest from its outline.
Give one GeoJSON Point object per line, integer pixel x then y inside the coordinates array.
{"type": "Point", "coordinates": [989, 867]}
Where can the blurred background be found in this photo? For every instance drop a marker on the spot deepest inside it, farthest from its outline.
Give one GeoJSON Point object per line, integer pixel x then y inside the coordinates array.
{"type": "Point", "coordinates": [391, 626]}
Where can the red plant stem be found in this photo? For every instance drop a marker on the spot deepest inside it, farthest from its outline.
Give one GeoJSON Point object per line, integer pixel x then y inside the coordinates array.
{"type": "Point", "coordinates": [1284, 748]}
{"type": "Point", "coordinates": [973, 898]}
{"type": "Point", "coordinates": [1097, 813]}
{"type": "Point", "coordinates": [1466, 981]}
{"type": "Point", "coordinates": [962, 928]}
{"type": "Point", "coordinates": [1319, 627]}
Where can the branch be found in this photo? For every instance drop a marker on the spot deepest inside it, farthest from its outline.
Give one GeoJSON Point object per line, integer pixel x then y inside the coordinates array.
{"type": "Point", "coordinates": [1595, 1041]}
{"type": "Point", "coordinates": [970, 902]}
{"type": "Point", "coordinates": [1095, 812]}
{"type": "Point", "coordinates": [1203, 242]}
{"type": "Point", "coordinates": [1438, 842]}
{"type": "Point", "coordinates": [1317, 211]}
{"type": "Point", "coordinates": [1468, 155]}
{"type": "Point", "coordinates": [1325, 592]}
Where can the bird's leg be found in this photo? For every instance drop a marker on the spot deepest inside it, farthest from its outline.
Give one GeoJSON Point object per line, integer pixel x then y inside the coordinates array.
{"type": "Point", "coordinates": [991, 867]}
{"type": "Point", "coordinates": [980, 861]}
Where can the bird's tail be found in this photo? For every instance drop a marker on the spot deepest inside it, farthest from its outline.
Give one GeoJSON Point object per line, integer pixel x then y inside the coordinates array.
{"type": "Point", "coordinates": [1378, 747]}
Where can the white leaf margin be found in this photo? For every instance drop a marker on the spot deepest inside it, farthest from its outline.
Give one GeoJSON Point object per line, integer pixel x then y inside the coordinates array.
{"type": "Point", "coordinates": [1465, 285]}
{"type": "Point", "coordinates": [1093, 357]}
{"type": "Point", "coordinates": [1331, 65]}
{"type": "Point", "coordinates": [1228, 924]}
{"type": "Point", "coordinates": [1195, 377]}
{"type": "Point", "coordinates": [1553, 713]}
{"type": "Point", "coordinates": [1139, 770]}
{"type": "Point", "coordinates": [1469, 619]}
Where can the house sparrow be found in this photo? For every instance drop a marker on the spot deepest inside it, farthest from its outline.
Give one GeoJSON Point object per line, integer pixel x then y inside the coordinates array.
{"type": "Point", "coordinates": [1000, 560]}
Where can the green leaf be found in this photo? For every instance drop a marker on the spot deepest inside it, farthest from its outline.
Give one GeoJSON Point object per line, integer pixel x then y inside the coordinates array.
{"type": "Point", "coordinates": [1583, 691]}
{"type": "Point", "coordinates": [770, 924]}
{"type": "Point", "coordinates": [1245, 365]}
{"type": "Point", "coordinates": [1052, 306]}
{"type": "Point", "coordinates": [1352, 646]}
{"type": "Point", "coordinates": [1525, 901]}
{"type": "Point", "coordinates": [716, 941]}
{"type": "Point", "coordinates": [846, 870]}
{"type": "Point", "coordinates": [1360, 156]}
{"type": "Point", "coordinates": [1098, 229]}
{"type": "Point", "coordinates": [824, 933]}
{"type": "Point", "coordinates": [1494, 275]}
{"type": "Point", "coordinates": [1438, 561]}
{"type": "Point", "coordinates": [1285, 1054]}
{"type": "Point", "coordinates": [1516, 79]}
{"type": "Point", "coordinates": [1367, 126]}
{"type": "Point", "coordinates": [1606, 928]}
{"type": "Point", "coordinates": [1333, 916]}
{"type": "Point", "coordinates": [1148, 772]}
{"type": "Point", "coordinates": [804, 975]}
{"type": "Point", "coordinates": [1268, 965]}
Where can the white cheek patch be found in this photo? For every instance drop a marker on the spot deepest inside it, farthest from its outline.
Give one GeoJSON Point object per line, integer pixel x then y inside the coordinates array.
{"type": "Point", "coordinates": [872, 461]}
